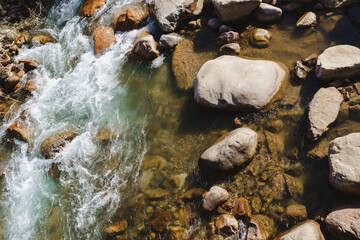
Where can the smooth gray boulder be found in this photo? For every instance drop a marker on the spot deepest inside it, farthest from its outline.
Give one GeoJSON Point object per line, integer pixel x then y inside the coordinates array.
{"type": "Point", "coordinates": [167, 14]}
{"type": "Point", "coordinates": [267, 13]}
{"type": "Point", "coordinates": [344, 163]}
{"type": "Point", "coordinates": [338, 3]}
{"type": "Point", "coordinates": [306, 20]}
{"type": "Point", "coordinates": [238, 147]}
{"type": "Point", "coordinates": [309, 230]}
{"type": "Point", "coordinates": [338, 62]}
{"type": "Point", "coordinates": [344, 222]}
{"type": "Point", "coordinates": [213, 198]}
{"type": "Point", "coordinates": [231, 10]}
{"type": "Point", "coordinates": [230, 82]}
{"type": "Point", "coordinates": [323, 110]}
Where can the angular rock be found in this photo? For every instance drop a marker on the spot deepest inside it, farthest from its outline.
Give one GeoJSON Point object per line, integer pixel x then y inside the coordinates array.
{"type": "Point", "coordinates": [169, 41]}
{"type": "Point", "coordinates": [29, 65]}
{"type": "Point", "coordinates": [307, 20]}
{"type": "Point", "coordinates": [228, 37]}
{"type": "Point", "coordinates": [267, 13]}
{"type": "Point", "coordinates": [213, 198]}
{"type": "Point", "coordinates": [89, 7]}
{"type": "Point", "coordinates": [145, 46]}
{"type": "Point", "coordinates": [238, 147]}
{"type": "Point", "coordinates": [260, 228]}
{"type": "Point", "coordinates": [344, 163]}
{"type": "Point", "coordinates": [292, 6]}
{"type": "Point", "coordinates": [323, 110]}
{"type": "Point", "coordinates": [260, 37]}
{"type": "Point", "coordinates": [344, 222]}
{"type": "Point", "coordinates": [226, 224]}
{"type": "Point", "coordinates": [54, 144]}
{"type": "Point", "coordinates": [7, 79]}
{"type": "Point", "coordinates": [231, 10]}
{"type": "Point", "coordinates": [309, 230]}
{"type": "Point", "coordinates": [176, 233]}
{"type": "Point", "coordinates": [42, 39]}
{"type": "Point", "coordinates": [19, 130]}
{"type": "Point", "coordinates": [168, 14]}
{"type": "Point", "coordinates": [294, 214]}
{"type": "Point", "coordinates": [129, 19]}
{"type": "Point", "coordinates": [229, 82]}
{"type": "Point", "coordinates": [103, 38]}
{"type": "Point", "coordinates": [214, 23]}
{"type": "Point", "coordinates": [338, 62]}
{"type": "Point", "coordinates": [230, 49]}
{"type": "Point", "coordinates": [338, 3]}
{"type": "Point", "coordinates": [117, 228]}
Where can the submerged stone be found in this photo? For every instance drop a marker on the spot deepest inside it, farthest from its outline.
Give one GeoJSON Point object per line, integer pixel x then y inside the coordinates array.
{"type": "Point", "coordinates": [260, 227]}
{"type": "Point", "coordinates": [306, 20]}
{"type": "Point", "coordinates": [54, 144]}
{"type": "Point", "coordinates": [117, 228]}
{"type": "Point", "coordinates": [229, 82]}
{"type": "Point", "coordinates": [213, 198]}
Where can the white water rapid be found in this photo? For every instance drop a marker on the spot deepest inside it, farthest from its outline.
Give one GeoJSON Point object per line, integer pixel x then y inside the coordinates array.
{"type": "Point", "coordinates": [77, 90]}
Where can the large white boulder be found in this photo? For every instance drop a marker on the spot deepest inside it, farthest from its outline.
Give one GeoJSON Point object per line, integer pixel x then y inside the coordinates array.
{"type": "Point", "coordinates": [341, 61]}
{"type": "Point", "coordinates": [344, 222]}
{"type": "Point", "coordinates": [167, 14]}
{"type": "Point", "coordinates": [344, 163]}
{"type": "Point", "coordinates": [231, 10]}
{"type": "Point", "coordinates": [236, 148]}
{"type": "Point", "coordinates": [309, 230]}
{"type": "Point", "coordinates": [323, 110]}
{"type": "Point", "coordinates": [237, 83]}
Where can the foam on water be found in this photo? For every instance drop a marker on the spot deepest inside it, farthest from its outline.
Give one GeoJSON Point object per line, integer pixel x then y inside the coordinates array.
{"type": "Point", "coordinates": [80, 91]}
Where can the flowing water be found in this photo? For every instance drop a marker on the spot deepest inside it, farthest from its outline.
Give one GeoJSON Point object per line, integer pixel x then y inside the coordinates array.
{"type": "Point", "coordinates": [157, 135]}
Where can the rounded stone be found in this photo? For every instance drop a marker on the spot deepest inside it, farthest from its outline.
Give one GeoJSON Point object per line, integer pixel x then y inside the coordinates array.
{"type": "Point", "coordinates": [267, 13]}
{"type": "Point", "coordinates": [260, 37]}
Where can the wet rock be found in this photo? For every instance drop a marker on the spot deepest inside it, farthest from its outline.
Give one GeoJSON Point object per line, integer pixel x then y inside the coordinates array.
{"type": "Point", "coordinates": [230, 49]}
{"type": "Point", "coordinates": [89, 7]}
{"type": "Point", "coordinates": [22, 39]}
{"type": "Point", "coordinates": [194, 193]}
{"type": "Point", "coordinates": [167, 14]}
{"type": "Point", "coordinates": [179, 180]}
{"type": "Point", "coordinates": [129, 19]}
{"type": "Point", "coordinates": [275, 126]}
{"type": "Point", "coordinates": [195, 24]}
{"type": "Point", "coordinates": [117, 228]}
{"type": "Point", "coordinates": [323, 110]}
{"type": "Point", "coordinates": [338, 62]}
{"type": "Point", "coordinates": [54, 144]}
{"type": "Point", "coordinates": [294, 214]}
{"type": "Point", "coordinates": [176, 233]}
{"type": "Point", "coordinates": [344, 222]}
{"type": "Point", "coordinates": [267, 13]}
{"type": "Point", "coordinates": [231, 10]}
{"type": "Point", "coordinates": [214, 198]}
{"type": "Point", "coordinates": [294, 186]}
{"type": "Point", "coordinates": [307, 20]}
{"type": "Point", "coordinates": [229, 82]}
{"type": "Point", "coordinates": [292, 6]}
{"type": "Point", "coordinates": [5, 59]}
{"type": "Point", "coordinates": [7, 79]}
{"type": "Point", "coordinates": [29, 65]}
{"type": "Point", "coordinates": [242, 208]}
{"type": "Point", "coordinates": [309, 230]}
{"type": "Point", "coordinates": [260, 228]}
{"type": "Point", "coordinates": [160, 223]}
{"type": "Point", "coordinates": [344, 164]}
{"type": "Point", "coordinates": [228, 37]}
{"type": "Point", "coordinates": [156, 194]}
{"type": "Point", "coordinates": [19, 130]}
{"type": "Point", "coordinates": [186, 62]}
{"type": "Point", "coordinates": [169, 41]}
{"type": "Point", "coordinates": [225, 28]}
{"type": "Point", "coordinates": [145, 46]}
{"type": "Point", "coordinates": [338, 3]}
{"type": "Point", "coordinates": [226, 224]}
{"type": "Point", "coordinates": [260, 37]}
{"type": "Point", "coordinates": [103, 38]}
{"type": "Point", "coordinates": [236, 148]}
{"type": "Point", "coordinates": [301, 71]}
{"type": "Point", "coordinates": [42, 39]}
{"type": "Point", "coordinates": [54, 172]}
{"type": "Point", "coordinates": [214, 23]}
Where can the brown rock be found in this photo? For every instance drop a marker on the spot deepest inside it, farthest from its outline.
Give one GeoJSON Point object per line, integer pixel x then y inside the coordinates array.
{"type": "Point", "coordinates": [176, 233]}
{"type": "Point", "coordinates": [159, 224]}
{"type": "Point", "coordinates": [117, 228]}
{"type": "Point", "coordinates": [103, 38]}
{"type": "Point", "coordinates": [90, 6]}
{"type": "Point", "coordinates": [129, 19]}
{"type": "Point", "coordinates": [145, 46]}
{"type": "Point", "coordinates": [226, 224]}
{"type": "Point", "coordinates": [54, 144]}
{"type": "Point", "coordinates": [29, 64]}
{"type": "Point", "coordinates": [194, 193]}
{"type": "Point", "coordinates": [19, 131]}
{"type": "Point", "coordinates": [294, 214]}
{"type": "Point", "coordinates": [260, 228]}
{"type": "Point", "coordinates": [7, 79]}
{"type": "Point", "coordinates": [54, 172]}
{"type": "Point", "coordinates": [42, 39]}
{"type": "Point", "coordinates": [242, 208]}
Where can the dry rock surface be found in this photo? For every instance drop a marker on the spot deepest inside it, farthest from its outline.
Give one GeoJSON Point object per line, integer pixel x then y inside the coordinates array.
{"type": "Point", "coordinates": [146, 46]}
{"type": "Point", "coordinates": [310, 230]}
{"type": "Point", "coordinates": [307, 20]}
{"type": "Point", "coordinates": [90, 6]}
{"type": "Point", "coordinates": [231, 10]}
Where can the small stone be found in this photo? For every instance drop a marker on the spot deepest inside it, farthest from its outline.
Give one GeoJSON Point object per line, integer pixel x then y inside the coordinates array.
{"type": "Point", "coordinates": [242, 208]}
{"type": "Point", "coordinates": [214, 198]}
{"type": "Point", "coordinates": [169, 41]}
{"type": "Point", "coordinates": [307, 20]}
{"type": "Point", "coordinates": [301, 71]}
{"type": "Point", "coordinates": [230, 49]}
{"type": "Point", "coordinates": [225, 28]}
{"type": "Point", "coordinates": [228, 37]}
{"type": "Point", "coordinates": [226, 224]}
{"type": "Point", "coordinates": [89, 7]}
{"type": "Point", "coordinates": [176, 233]}
{"type": "Point", "coordinates": [117, 228]}
{"type": "Point", "coordinates": [309, 230]}
{"type": "Point", "coordinates": [267, 13]}
{"type": "Point", "coordinates": [214, 23]}
{"type": "Point", "coordinates": [19, 130]}
{"type": "Point", "coordinates": [260, 37]}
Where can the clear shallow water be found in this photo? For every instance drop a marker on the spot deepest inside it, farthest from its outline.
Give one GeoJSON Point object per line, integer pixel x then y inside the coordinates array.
{"type": "Point", "coordinates": [159, 134]}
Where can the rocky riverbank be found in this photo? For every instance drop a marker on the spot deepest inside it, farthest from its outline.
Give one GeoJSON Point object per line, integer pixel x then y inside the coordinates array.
{"type": "Point", "coordinates": [255, 137]}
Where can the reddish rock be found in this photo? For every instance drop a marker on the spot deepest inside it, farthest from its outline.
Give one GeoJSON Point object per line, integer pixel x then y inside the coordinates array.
{"type": "Point", "coordinates": [117, 228]}
{"type": "Point", "coordinates": [103, 38]}
{"type": "Point", "coordinates": [90, 6]}
{"type": "Point", "coordinates": [42, 39]}
{"type": "Point", "coordinates": [29, 64]}
{"type": "Point", "coordinates": [242, 208]}
{"type": "Point", "coordinates": [19, 128]}
{"type": "Point", "coordinates": [159, 224]}
{"type": "Point", "coordinates": [129, 19]}
{"type": "Point", "coordinates": [54, 144]}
